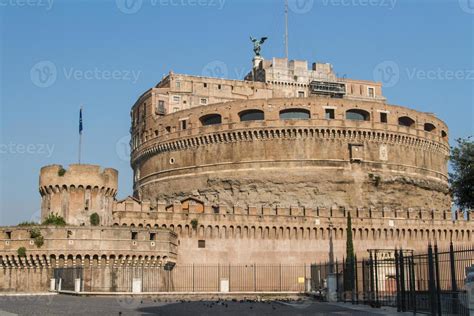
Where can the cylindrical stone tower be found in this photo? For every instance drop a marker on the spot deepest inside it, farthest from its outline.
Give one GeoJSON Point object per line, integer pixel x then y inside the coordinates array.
{"type": "Point", "coordinates": [77, 192]}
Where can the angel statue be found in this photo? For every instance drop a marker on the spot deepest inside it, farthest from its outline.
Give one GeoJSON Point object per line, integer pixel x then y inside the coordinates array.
{"type": "Point", "coordinates": [257, 44]}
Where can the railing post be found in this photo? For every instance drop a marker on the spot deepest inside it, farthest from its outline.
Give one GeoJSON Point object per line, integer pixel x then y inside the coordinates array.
{"type": "Point", "coordinates": [402, 279]}
{"type": "Point", "coordinates": [254, 278]}
{"type": "Point", "coordinates": [431, 281]}
{"type": "Point", "coordinates": [337, 282]}
{"type": "Point", "coordinates": [454, 286]}
{"type": "Point", "coordinates": [438, 285]}
{"type": "Point", "coordinates": [376, 281]}
{"type": "Point", "coordinates": [371, 279]}
{"type": "Point", "coordinates": [412, 282]}
{"type": "Point", "coordinates": [193, 276]}
{"type": "Point", "coordinates": [398, 280]}
{"type": "Point", "coordinates": [280, 279]}
{"type": "Point", "coordinates": [356, 283]}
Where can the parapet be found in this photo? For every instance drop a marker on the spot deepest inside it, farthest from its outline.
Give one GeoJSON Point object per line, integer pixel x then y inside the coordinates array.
{"type": "Point", "coordinates": [78, 175]}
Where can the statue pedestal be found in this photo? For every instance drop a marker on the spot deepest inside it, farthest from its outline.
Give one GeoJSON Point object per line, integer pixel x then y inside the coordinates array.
{"type": "Point", "coordinates": [257, 61]}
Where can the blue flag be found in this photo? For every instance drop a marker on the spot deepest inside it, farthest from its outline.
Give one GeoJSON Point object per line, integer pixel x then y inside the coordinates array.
{"type": "Point", "coordinates": [80, 121]}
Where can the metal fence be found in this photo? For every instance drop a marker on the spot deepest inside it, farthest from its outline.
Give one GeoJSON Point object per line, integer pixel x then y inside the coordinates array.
{"type": "Point", "coordinates": [187, 278]}
{"type": "Point", "coordinates": [431, 282]}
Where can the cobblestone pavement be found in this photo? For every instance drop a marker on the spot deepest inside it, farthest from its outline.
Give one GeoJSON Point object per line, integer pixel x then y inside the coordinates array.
{"type": "Point", "coordinates": [75, 305]}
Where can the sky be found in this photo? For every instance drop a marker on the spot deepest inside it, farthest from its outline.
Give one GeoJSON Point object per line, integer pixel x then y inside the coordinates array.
{"type": "Point", "coordinates": [56, 55]}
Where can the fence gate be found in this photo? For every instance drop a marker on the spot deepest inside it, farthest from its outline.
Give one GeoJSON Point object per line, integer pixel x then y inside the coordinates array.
{"type": "Point", "coordinates": [67, 276]}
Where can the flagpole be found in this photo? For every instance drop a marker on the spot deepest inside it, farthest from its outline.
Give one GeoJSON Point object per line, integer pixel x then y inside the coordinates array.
{"type": "Point", "coordinates": [286, 29]}
{"type": "Point", "coordinates": [80, 134]}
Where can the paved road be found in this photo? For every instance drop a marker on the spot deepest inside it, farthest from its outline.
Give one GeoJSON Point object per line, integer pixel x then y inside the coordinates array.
{"type": "Point", "coordinates": [74, 305]}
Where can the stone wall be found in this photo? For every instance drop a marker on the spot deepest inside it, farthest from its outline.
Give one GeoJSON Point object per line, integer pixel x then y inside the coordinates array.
{"type": "Point", "coordinates": [275, 161]}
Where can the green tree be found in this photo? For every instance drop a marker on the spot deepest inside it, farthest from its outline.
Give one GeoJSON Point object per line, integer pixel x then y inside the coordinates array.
{"type": "Point", "coordinates": [349, 263]}
{"type": "Point", "coordinates": [95, 219]}
{"type": "Point", "coordinates": [462, 177]}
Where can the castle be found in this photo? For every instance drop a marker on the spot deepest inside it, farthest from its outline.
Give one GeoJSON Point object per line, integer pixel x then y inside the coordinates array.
{"type": "Point", "coordinates": [261, 170]}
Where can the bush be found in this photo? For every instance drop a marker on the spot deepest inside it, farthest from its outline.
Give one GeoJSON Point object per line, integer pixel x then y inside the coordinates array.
{"type": "Point", "coordinates": [95, 219]}
{"type": "Point", "coordinates": [194, 223]}
{"type": "Point", "coordinates": [61, 172]}
{"type": "Point", "coordinates": [35, 232]}
{"type": "Point", "coordinates": [39, 241]}
{"type": "Point", "coordinates": [28, 223]}
{"type": "Point", "coordinates": [54, 219]}
{"type": "Point", "coordinates": [21, 252]}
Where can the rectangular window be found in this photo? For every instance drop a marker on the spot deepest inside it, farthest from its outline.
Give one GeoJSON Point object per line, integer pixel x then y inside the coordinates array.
{"type": "Point", "coordinates": [329, 114]}
{"type": "Point", "coordinates": [9, 235]}
{"type": "Point", "coordinates": [201, 244]}
{"type": "Point", "coordinates": [300, 94]}
{"type": "Point", "coordinates": [383, 117]}
{"type": "Point", "coordinates": [176, 98]}
{"type": "Point", "coordinates": [152, 236]}
{"type": "Point", "coordinates": [219, 86]}
{"type": "Point", "coordinates": [203, 101]}
{"type": "Point", "coordinates": [175, 109]}
{"type": "Point", "coordinates": [215, 209]}
{"type": "Point", "coordinates": [134, 235]}
{"type": "Point", "coordinates": [160, 108]}
{"type": "Point", "coordinates": [184, 124]}
{"type": "Point", "coordinates": [371, 92]}
{"type": "Point", "coordinates": [205, 85]}
{"type": "Point", "coordinates": [178, 84]}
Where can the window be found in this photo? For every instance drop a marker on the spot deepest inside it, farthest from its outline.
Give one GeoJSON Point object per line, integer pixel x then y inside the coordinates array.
{"type": "Point", "coordinates": [203, 101]}
{"type": "Point", "coordinates": [134, 235]}
{"type": "Point", "coordinates": [429, 127]}
{"type": "Point", "coordinates": [371, 92]}
{"type": "Point", "coordinates": [405, 121]}
{"type": "Point", "coordinates": [300, 94]}
{"type": "Point", "coordinates": [329, 114]}
{"type": "Point", "coordinates": [211, 119]}
{"type": "Point", "coordinates": [175, 109]}
{"type": "Point", "coordinates": [184, 124]}
{"type": "Point", "coordinates": [160, 108]}
{"type": "Point", "coordinates": [201, 244]}
{"type": "Point", "coordinates": [178, 84]}
{"type": "Point", "coordinates": [176, 98]}
{"type": "Point", "coordinates": [383, 117]}
{"type": "Point", "coordinates": [168, 129]}
{"type": "Point", "coordinates": [9, 235]}
{"type": "Point", "coordinates": [205, 85]}
{"type": "Point", "coordinates": [357, 115]}
{"type": "Point", "coordinates": [219, 86]}
{"type": "Point", "coordinates": [251, 115]}
{"type": "Point", "coordinates": [215, 209]}
{"type": "Point", "coordinates": [444, 134]}
{"type": "Point", "coordinates": [152, 236]}
{"type": "Point", "coordinates": [294, 114]}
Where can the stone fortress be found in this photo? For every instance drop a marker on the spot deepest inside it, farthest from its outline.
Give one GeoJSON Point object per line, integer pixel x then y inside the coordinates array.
{"type": "Point", "coordinates": [263, 170]}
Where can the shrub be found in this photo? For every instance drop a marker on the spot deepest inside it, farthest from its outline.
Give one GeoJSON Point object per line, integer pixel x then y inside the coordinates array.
{"type": "Point", "coordinates": [35, 232]}
{"type": "Point", "coordinates": [21, 252]}
{"type": "Point", "coordinates": [95, 219]}
{"type": "Point", "coordinates": [194, 223]}
{"type": "Point", "coordinates": [61, 172]}
{"type": "Point", "coordinates": [39, 241]}
{"type": "Point", "coordinates": [28, 223]}
{"type": "Point", "coordinates": [54, 219]}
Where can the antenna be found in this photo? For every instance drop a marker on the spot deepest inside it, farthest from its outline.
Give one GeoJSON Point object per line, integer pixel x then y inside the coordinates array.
{"type": "Point", "coordinates": [286, 29]}
{"type": "Point", "coordinates": [80, 134]}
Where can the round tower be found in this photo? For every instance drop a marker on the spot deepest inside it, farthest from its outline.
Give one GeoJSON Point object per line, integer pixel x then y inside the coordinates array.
{"type": "Point", "coordinates": [78, 192]}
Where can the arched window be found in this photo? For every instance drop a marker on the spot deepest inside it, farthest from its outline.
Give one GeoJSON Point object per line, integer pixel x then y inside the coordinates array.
{"type": "Point", "coordinates": [294, 114]}
{"type": "Point", "coordinates": [429, 127]}
{"type": "Point", "coordinates": [251, 115]}
{"type": "Point", "coordinates": [405, 121]}
{"type": "Point", "coordinates": [357, 115]}
{"type": "Point", "coordinates": [211, 119]}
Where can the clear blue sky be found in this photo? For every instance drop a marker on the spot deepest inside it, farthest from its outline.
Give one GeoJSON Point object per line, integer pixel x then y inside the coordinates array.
{"type": "Point", "coordinates": [104, 54]}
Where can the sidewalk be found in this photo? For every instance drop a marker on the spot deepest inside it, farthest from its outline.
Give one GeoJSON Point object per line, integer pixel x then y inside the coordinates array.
{"type": "Point", "coordinates": [384, 310]}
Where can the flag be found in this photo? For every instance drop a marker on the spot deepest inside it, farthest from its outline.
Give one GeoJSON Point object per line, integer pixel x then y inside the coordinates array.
{"type": "Point", "coordinates": [80, 121]}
